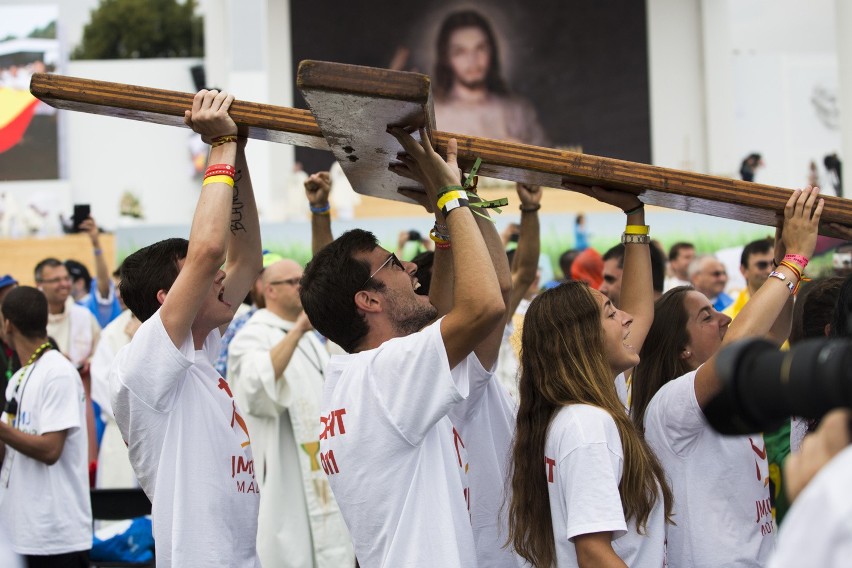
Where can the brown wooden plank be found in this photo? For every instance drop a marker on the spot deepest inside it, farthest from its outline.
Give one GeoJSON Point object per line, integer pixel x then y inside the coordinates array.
{"type": "Point", "coordinates": [260, 121]}
{"type": "Point", "coordinates": [674, 189]}
{"type": "Point", "coordinates": [353, 106]}
{"type": "Point", "coordinates": [686, 191]}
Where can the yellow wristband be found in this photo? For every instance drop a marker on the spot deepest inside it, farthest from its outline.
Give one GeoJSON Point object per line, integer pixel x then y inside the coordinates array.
{"type": "Point", "coordinates": [637, 230]}
{"type": "Point", "coordinates": [438, 238]}
{"type": "Point", "coordinates": [218, 179]}
{"type": "Point", "coordinates": [449, 196]}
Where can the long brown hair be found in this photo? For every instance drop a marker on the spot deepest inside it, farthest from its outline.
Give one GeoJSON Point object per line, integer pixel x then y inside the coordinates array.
{"type": "Point", "coordinates": [563, 361]}
{"type": "Point", "coordinates": [660, 359]}
{"type": "Point", "coordinates": [443, 76]}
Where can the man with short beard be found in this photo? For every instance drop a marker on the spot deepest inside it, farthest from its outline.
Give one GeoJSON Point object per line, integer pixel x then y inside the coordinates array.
{"type": "Point", "coordinates": [397, 464]}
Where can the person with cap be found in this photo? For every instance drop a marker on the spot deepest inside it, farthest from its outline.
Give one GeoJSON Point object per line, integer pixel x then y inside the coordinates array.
{"type": "Point", "coordinates": [98, 294]}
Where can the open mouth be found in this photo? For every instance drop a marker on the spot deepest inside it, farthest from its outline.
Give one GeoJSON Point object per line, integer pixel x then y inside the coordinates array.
{"type": "Point", "coordinates": [416, 285]}
{"type": "Point", "coordinates": [221, 297]}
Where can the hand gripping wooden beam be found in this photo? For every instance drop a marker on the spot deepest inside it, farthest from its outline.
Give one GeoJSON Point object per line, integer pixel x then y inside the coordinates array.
{"type": "Point", "coordinates": [351, 107]}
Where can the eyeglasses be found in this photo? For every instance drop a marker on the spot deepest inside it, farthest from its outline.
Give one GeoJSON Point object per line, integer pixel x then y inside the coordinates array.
{"type": "Point", "coordinates": [394, 262]}
{"type": "Point", "coordinates": [288, 281]}
{"type": "Point", "coordinates": [762, 264]}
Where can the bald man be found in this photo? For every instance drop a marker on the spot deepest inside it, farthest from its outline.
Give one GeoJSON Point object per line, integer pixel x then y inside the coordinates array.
{"type": "Point", "coordinates": [275, 368]}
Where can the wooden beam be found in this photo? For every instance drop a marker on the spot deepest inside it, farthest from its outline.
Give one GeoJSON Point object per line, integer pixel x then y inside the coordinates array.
{"type": "Point", "coordinates": [354, 104]}
{"type": "Point", "coordinates": [685, 191]}
{"type": "Point", "coordinates": [260, 121]}
{"type": "Point", "coordinates": [353, 107]}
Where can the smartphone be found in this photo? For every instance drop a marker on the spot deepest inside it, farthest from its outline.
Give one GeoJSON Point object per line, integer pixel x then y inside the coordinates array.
{"type": "Point", "coordinates": [82, 211]}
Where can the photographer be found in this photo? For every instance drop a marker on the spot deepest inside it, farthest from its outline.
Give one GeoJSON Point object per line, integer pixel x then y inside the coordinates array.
{"type": "Point", "coordinates": [717, 481]}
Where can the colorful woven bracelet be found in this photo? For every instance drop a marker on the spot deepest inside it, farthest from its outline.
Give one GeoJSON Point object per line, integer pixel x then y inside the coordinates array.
{"type": "Point", "coordinates": [798, 259]}
{"type": "Point", "coordinates": [324, 210]}
{"type": "Point", "coordinates": [219, 140]}
{"type": "Point", "coordinates": [438, 238]}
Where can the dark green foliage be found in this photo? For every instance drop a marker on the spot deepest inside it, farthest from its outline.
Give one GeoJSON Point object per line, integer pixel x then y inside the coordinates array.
{"type": "Point", "coordinates": [130, 29]}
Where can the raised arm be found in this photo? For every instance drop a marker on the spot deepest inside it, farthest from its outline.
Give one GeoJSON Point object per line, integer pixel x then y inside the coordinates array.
{"type": "Point", "coordinates": [210, 234]}
{"type": "Point", "coordinates": [637, 285]}
{"type": "Point", "coordinates": [478, 305]}
{"type": "Point", "coordinates": [525, 263]}
{"type": "Point", "coordinates": [801, 222]}
{"type": "Point", "coordinates": [317, 190]}
{"type": "Point", "coordinates": [780, 330]}
{"type": "Point", "coordinates": [245, 255]}
{"type": "Point", "coordinates": [101, 271]}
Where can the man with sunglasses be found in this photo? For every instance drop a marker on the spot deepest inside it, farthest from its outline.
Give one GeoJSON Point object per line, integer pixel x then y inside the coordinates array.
{"type": "Point", "coordinates": [755, 266]}
{"type": "Point", "coordinates": [397, 464]}
{"type": "Point", "coordinates": [276, 365]}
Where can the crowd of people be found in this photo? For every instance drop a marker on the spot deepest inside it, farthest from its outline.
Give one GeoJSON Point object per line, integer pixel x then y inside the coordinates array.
{"type": "Point", "coordinates": [443, 410]}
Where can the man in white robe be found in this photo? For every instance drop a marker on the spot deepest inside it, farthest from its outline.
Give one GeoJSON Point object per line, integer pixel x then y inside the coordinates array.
{"type": "Point", "coordinates": [275, 368]}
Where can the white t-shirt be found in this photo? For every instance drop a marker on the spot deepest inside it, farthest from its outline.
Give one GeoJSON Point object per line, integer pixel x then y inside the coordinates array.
{"type": "Point", "coordinates": [720, 484]}
{"type": "Point", "coordinates": [817, 530]}
{"type": "Point", "coordinates": [486, 422]}
{"type": "Point", "coordinates": [45, 509]}
{"type": "Point", "coordinates": [583, 465]}
{"type": "Point", "coordinates": [397, 466]}
{"type": "Point", "coordinates": [508, 363]}
{"type": "Point", "coordinates": [189, 447]}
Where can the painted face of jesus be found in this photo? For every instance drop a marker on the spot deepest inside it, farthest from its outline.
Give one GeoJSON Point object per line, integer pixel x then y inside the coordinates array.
{"type": "Point", "coordinates": [470, 56]}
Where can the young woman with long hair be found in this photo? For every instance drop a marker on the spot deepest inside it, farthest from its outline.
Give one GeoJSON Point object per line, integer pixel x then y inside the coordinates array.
{"type": "Point", "coordinates": [586, 489]}
{"type": "Point", "coordinates": [722, 514]}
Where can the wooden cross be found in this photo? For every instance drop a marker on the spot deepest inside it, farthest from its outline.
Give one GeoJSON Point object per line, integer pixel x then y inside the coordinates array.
{"type": "Point", "coordinates": [351, 107]}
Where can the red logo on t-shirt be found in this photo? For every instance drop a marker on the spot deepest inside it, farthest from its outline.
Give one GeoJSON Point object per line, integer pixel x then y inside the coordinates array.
{"type": "Point", "coordinates": [333, 421]}
{"type": "Point", "coordinates": [550, 463]}
{"type": "Point", "coordinates": [235, 416]}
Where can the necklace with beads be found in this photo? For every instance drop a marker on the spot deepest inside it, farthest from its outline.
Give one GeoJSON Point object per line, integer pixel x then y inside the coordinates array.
{"type": "Point", "coordinates": [11, 408]}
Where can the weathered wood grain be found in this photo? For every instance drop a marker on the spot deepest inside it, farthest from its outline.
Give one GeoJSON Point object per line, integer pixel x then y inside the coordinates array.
{"type": "Point", "coordinates": [260, 121]}
{"type": "Point", "coordinates": [353, 107]}
{"type": "Point", "coordinates": [356, 104]}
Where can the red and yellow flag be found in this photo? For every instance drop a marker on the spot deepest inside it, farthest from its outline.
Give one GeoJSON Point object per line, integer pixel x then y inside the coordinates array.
{"type": "Point", "coordinates": [16, 111]}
